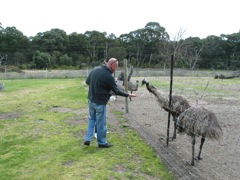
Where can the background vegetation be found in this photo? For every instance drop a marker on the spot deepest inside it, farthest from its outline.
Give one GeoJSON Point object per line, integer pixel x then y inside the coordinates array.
{"type": "Point", "coordinates": [150, 46]}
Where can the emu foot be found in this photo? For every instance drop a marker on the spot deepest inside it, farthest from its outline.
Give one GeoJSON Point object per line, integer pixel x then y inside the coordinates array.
{"type": "Point", "coordinates": [172, 138]}
{"type": "Point", "coordinates": [190, 163]}
{"type": "Point", "coordinates": [198, 158]}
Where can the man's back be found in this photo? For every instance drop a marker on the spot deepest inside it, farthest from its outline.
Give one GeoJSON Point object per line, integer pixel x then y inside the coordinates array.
{"type": "Point", "coordinates": [100, 82]}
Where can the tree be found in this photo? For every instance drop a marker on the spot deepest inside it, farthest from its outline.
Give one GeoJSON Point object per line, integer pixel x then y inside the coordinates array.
{"type": "Point", "coordinates": [157, 38]}
{"type": "Point", "coordinates": [11, 41]}
{"type": "Point", "coordinates": [191, 51]}
{"type": "Point", "coordinates": [77, 44]}
{"type": "Point", "coordinates": [95, 44]}
{"type": "Point", "coordinates": [53, 40]}
{"type": "Point", "coordinates": [231, 45]}
{"type": "Point", "coordinates": [213, 53]}
{"type": "Point", "coordinates": [149, 47]}
{"type": "Point", "coordinates": [2, 58]}
{"type": "Point", "coordinates": [42, 60]}
{"type": "Point", "coordinates": [145, 42]}
{"type": "Point", "coordinates": [55, 58]}
{"type": "Point", "coordinates": [65, 60]}
{"type": "Point", "coordinates": [178, 42]}
{"type": "Point", "coordinates": [19, 58]}
{"type": "Point", "coordinates": [117, 52]}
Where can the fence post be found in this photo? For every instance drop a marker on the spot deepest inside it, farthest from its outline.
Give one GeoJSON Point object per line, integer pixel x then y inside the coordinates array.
{"type": "Point", "coordinates": [2, 86]}
{"type": "Point", "coordinates": [170, 99]}
{"type": "Point", "coordinates": [126, 84]}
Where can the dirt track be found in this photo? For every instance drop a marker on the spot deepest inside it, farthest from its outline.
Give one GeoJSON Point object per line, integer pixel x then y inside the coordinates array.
{"type": "Point", "coordinates": [221, 159]}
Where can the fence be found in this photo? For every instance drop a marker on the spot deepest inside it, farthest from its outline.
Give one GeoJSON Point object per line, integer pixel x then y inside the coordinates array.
{"type": "Point", "coordinates": [221, 158]}
{"type": "Point", "coordinates": [31, 74]}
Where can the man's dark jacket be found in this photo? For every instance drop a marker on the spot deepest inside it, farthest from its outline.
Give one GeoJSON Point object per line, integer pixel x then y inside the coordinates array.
{"type": "Point", "coordinates": [101, 82]}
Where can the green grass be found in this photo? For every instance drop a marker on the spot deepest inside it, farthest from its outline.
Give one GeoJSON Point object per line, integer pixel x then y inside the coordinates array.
{"type": "Point", "coordinates": [37, 143]}
{"type": "Point", "coordinates": [196, 86]}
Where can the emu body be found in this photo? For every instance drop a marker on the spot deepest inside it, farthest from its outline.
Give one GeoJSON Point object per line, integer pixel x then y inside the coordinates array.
{"type": "Point", "coordinates": [178, 103]}
{"type": "Point", "coordinates": [131, 87]}
{"type": "Point", "coordinates": [199, 121]}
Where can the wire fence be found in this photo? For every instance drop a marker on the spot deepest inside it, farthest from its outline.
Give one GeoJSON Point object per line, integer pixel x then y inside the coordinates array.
{"type": "Point", "coordinates": [221, 158]}
{"type": "Point", "coordinates": [31, 74]}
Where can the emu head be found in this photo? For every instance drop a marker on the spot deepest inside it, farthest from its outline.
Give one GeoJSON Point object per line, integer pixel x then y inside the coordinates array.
{"type": "Point", "coordinates": [150, 87]}
{"type": "Point", "coordinates": [144, 81]}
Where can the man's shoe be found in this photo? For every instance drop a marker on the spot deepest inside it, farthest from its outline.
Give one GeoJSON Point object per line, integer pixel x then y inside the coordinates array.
{"type": "Point", "coordinates": [87, 143]}
{"type": "Point", "coordinates": [105, 145]}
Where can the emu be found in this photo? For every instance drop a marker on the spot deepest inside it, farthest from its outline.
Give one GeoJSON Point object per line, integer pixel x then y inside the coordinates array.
{"type": "Point", "coordinates": [131, 87]}
{"type": "Point", "coordinates": [178, 103]}
{"type": "Point", "coordinates": [221, 76]}
{"type": "Point", "coordinates": [199, 121]}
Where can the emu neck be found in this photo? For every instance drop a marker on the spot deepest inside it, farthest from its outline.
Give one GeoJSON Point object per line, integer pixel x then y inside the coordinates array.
{"type": "Point", "coordinates": [162, 101]}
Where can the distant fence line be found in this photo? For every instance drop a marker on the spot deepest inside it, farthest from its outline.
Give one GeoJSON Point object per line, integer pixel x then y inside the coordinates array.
{"type": "Point", "coordinates": [32, 74]}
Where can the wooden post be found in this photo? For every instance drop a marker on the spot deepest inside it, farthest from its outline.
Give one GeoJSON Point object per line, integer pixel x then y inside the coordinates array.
{"type": "Point", "coordinates": [126, 84]}
{"type": "Point", "coordinates": [170, 99]}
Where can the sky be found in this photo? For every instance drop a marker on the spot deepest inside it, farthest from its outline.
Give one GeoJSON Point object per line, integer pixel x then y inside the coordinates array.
{"type": "Point", "coordinates": [197, 18]}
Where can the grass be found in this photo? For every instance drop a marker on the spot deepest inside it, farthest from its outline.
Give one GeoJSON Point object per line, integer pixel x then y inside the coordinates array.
{"type": "Point", "coordinates": [39, 143]}
{"type": "Point", "coordinates": [197, 86]}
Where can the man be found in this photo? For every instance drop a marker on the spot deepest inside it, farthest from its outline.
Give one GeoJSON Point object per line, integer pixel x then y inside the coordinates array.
{"type": "Point", "coordinates": [101, 82]}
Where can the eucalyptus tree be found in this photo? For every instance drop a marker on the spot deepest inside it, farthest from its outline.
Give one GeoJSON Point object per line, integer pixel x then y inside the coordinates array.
{"type": "Point", "coordinates": [213, 53]}
{"type": "Point", "coordinates": [176, 48]}
{"type": "Point", "coordinates": [145, 43]}
{"type": "Point", "coordinates": [231, 45]}
{"type": "Point", "coordinates": [51, 41]}
{"type": "Point", "coordinates": [2, 45]}
{"type": "Point", "coordinates": [77, 43]}
{"type": "Point", "coordinates": [190, 52]}
{"type": "Point", "coordinates": [127, 45]}
{"type": "Point", "coordinates": [12, 41]}
{"type": "Point", "coordinates": [115, 48]}
{"type": "Point", "coordinates": [19, 58]}
{"type": "Point", "coordinates": [78, 48]}
{"type": "Point", "coordinates": [117, 52]}
{"type": "Point", "coordinates": [110, 44]}
{"type": "Point", "coordinates": [65, 60]}
{"type": "Point", "coordinates": [41, 60]}
{"type": "Point", "coordinates": [96, 42]}
{"type": "Point", "coordinates": [55, 59]}
{"type": "Point", "coordinates": [126, 40]}
{"type": "Point", "coordinates": [157, 39]}
{"type": "Point", "coordinates": [140, 42]}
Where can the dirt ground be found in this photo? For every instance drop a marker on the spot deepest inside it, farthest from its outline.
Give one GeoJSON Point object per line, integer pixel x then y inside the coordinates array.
{"type": "Point", "coordinates": [221, 158]}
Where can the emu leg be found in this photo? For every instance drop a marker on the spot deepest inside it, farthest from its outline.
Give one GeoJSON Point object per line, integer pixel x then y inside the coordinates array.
{"type": "Point", "coordinates": [201, 145]}
{"type": "Point", "coordinates": [193, 150]}
{"type": "Point", "coordinates": [175, 127]}
{"type": "Point", "coordinates": [130, 97]}
{"type": "Point", "coordinates": [174, 132]}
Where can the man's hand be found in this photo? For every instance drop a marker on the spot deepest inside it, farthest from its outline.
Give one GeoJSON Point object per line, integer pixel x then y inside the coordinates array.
{"type": "Point", "coordinates": [132, 95]}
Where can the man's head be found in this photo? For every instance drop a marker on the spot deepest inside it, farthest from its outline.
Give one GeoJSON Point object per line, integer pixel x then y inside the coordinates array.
{"type": "Point", "coordinates": [112, 64]}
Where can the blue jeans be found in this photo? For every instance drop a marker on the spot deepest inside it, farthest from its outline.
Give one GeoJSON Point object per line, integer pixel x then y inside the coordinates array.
{"type": "Point", "coordinates": [98, 117]}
